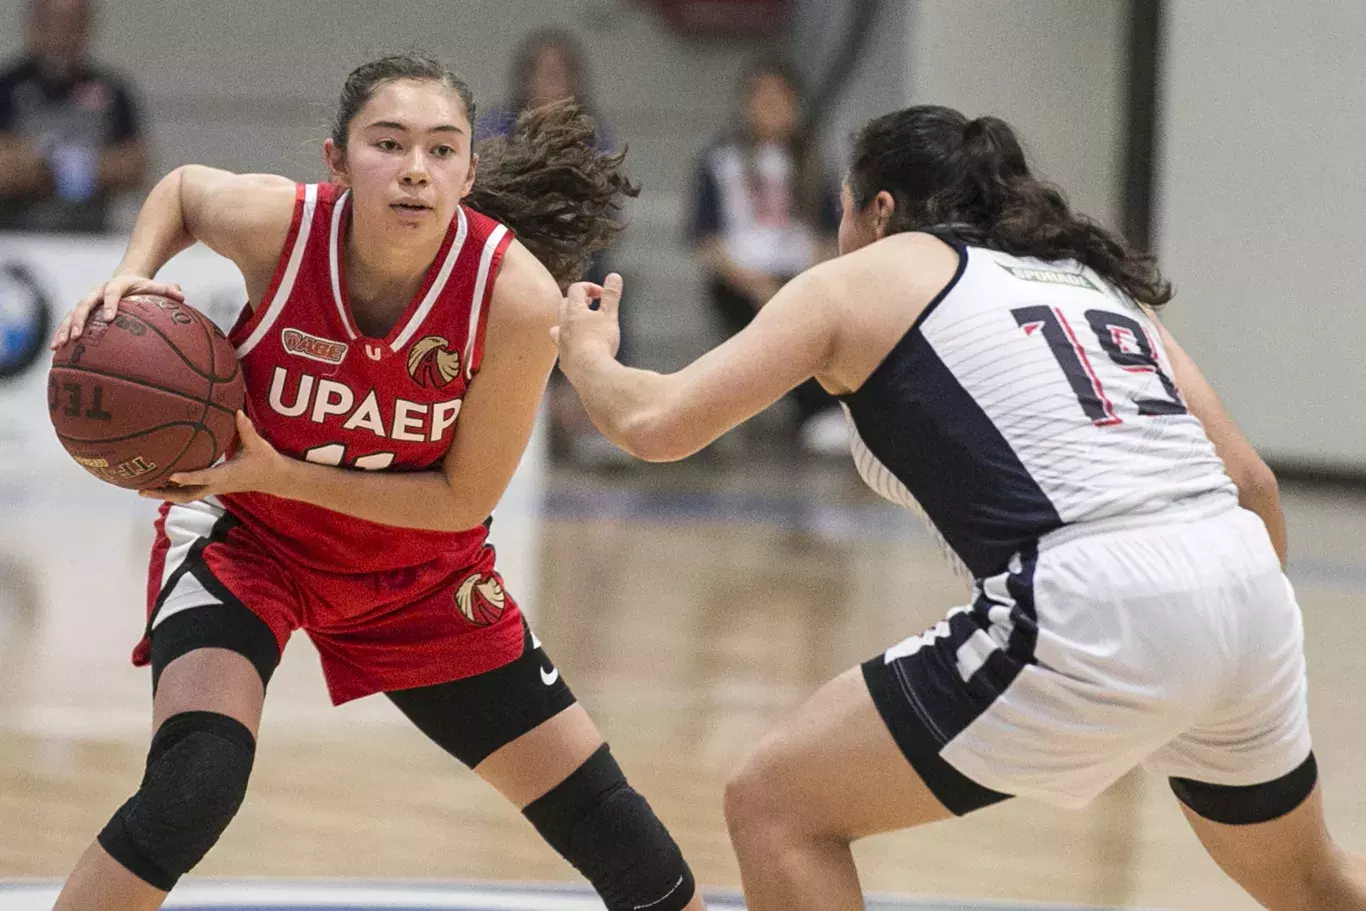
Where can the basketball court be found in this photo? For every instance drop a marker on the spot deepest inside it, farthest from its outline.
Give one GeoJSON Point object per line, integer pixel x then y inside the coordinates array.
{"type": "Point", "coordinates": [341, 896]}
{"type": "Point", "coordinates": [690, 607]}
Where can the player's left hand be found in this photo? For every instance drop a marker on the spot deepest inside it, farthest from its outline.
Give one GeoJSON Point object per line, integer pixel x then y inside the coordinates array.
{"type": "Point", "coordinates": [589, 324]}
{"type": "Point", "coordinates": [255, 466]}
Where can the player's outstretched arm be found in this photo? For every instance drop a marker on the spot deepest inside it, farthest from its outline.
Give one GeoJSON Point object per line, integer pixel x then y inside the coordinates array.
{"type": "Point", "coordinates": [244, 217]}
{"type": "Point", "coordinates": [496, 421]}
{"type": "Point", "coordinates": [1257, 488]}
{"type": "Point", "coordinates": [663, 418]}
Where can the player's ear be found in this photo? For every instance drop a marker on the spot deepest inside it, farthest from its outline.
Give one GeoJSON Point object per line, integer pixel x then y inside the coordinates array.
{"type": "Point", "coordinates": [335, 159]}
{"type": "Point", "coordinates": [884, 206]}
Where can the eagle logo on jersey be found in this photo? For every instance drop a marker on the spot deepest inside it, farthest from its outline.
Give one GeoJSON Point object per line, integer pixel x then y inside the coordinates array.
{"type": "Point", "coordinates": [432, 363]}
{"type": "Point", "coordinates": [312, 347]}
{"type": "Point", "coordinates": [481, 599]}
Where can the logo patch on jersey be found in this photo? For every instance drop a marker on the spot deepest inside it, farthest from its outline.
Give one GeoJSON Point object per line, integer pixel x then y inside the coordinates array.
{"type": "Point", "coordinates": [312, 347]}
{"type": "Point", "coordinates": [481, 599]}
{"type": "Point", "coordinates": [1051, 277]}
{"type": "Point", "coordinates": [431, 362]}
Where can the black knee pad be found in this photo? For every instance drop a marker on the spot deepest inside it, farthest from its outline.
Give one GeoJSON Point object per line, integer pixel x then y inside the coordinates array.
{"type": "Point", "coordinates": [197, 771]}
{"type": "Point", "coordinates": [609, 833]}
{"type": "Point", "coordinates": [1246, 805]}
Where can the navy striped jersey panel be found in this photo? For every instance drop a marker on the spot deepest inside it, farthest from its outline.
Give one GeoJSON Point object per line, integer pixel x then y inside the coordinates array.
{"type": "Point", "coordinates": [918, 421]}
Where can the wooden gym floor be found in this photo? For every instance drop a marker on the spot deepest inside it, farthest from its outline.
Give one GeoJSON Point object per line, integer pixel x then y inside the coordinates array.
{"type": "Point", "coordinates": [690, 607]}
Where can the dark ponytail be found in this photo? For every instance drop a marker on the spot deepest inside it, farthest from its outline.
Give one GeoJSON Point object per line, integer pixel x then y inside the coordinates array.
{"type": "Point", "coordinates": [973, 177]}
{"type": "Point", "coordinates": [550, 183]}
{"type": "Point", "coordinates": [547, 180]}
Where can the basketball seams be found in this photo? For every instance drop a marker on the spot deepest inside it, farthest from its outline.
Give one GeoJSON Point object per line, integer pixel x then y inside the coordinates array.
{"type": "Point", "coordinates": [208, 395]}
{"type": "Point", "coordinates": [176, 348]}
{"type": "Point", "coordinates": [129, 436]}
{"type": "Point", "coordinates": [215, 334]}
{"type": "Point", "coordinates": [150, 481]}
{"type": "Point", "coordinates": [171, 465]}
{"type": "Point", "coordinates": [138, 381]}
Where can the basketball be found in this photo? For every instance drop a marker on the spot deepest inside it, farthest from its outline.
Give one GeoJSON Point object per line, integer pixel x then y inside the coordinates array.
{"type": "Point", "coordinates": [150, 393]}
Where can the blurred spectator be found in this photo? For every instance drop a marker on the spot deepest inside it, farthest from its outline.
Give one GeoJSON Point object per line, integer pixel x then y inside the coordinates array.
{"type": "Point", "coordinates": [550, 66]}
{"type": "Point", "coordinates": [764, 209]}
{"type": "Point", "coordinates": [69, 133]}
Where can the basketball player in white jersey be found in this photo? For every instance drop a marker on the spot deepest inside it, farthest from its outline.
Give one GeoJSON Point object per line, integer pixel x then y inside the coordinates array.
{"type": "Point", "coordinates": [999, 361]}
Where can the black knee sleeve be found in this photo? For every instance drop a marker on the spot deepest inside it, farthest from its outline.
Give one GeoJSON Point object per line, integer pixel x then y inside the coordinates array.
{"type": "Point", "coordinates": [609, 833]}
{"type": "Point", "coordinates": [197, 771]}
{"type": "Point", "coordinates": [1246, 805]}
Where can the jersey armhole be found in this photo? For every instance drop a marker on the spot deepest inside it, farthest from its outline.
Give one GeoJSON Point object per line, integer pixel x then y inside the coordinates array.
{"type": "Point", "coordinates": [263, 313]}
{"type": "Point", "coordinates": [495, 267]}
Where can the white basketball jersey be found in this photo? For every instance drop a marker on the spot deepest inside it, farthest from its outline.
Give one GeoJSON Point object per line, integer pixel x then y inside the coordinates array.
{"type": "Point", "coordinates": [1029, 395]}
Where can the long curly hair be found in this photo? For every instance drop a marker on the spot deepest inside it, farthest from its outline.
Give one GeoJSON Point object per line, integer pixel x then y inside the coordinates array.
{"type": "Point", "coordinates": [943, 169]}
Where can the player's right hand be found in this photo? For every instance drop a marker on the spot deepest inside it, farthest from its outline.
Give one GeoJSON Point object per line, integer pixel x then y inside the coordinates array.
{"type": "Point", "coordinates": [106, 297]}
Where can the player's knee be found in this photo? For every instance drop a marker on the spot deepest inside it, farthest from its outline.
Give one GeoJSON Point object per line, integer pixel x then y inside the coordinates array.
{"type": "Point", "coordinates": [745, 798]}
{"type": "Point", "coordinates": [609, 833]}
{"type": "Point", "coordinates": [197, 772]}
{"type": "Point", "coordinates": [754, 802]}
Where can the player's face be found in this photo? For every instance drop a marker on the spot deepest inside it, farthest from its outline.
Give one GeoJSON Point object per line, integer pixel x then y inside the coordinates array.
{"type": "Point", "coordinates": [408, 160]}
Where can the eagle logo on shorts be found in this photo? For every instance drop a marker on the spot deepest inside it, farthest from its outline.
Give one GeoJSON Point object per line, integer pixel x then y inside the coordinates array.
{"type": "Point", "coordinates": [481, 599]}
{"type": "Point", "coordinates": [431, 363]}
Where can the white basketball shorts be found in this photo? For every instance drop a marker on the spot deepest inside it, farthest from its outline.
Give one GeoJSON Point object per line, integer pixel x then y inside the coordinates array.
{"type": "Point", "coordinates": [1171, 641]}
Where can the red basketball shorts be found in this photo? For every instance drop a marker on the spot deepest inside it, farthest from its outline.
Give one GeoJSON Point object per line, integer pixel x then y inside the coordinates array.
{"type": "Point", "coordinates": [375, 632]}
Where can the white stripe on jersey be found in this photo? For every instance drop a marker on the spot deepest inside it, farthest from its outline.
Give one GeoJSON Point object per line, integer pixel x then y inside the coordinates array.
{"type": "Point", "coordinates": [333, 241]}
{"type": "Point", "coordinates": [461, 231]}
{"type": "Point", "coordinates": [286, 287]}
{"type": "Point", "coordinates": [477, 305]}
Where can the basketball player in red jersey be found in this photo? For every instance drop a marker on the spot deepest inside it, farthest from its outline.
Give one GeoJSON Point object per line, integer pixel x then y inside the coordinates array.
{"type": "Point", "coordinates": [395, 352]}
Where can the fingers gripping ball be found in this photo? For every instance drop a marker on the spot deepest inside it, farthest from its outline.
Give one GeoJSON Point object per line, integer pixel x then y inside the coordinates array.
{"type": "Point", "coordinates": [153, 391]}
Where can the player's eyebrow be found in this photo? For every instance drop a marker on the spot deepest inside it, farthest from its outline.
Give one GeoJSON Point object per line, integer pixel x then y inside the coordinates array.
{"type": "Point", "coordinates": [403, 128]}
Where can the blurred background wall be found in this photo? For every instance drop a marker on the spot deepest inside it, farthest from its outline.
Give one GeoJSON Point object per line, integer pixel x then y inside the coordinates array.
{"type": "Point", "coordinates": [1260, 215]}
{"type": "Point", "coordinates": [1256, 211]}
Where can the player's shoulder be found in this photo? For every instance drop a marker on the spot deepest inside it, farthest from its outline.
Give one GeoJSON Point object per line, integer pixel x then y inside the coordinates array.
{"type": "Point", "coordinates": [246, 217]}
{"type": "Point", "coordinates": [525, 277]}
{"type": "Point", "coordinates": [897, 266]}
{"type": "Point", "coordinates": [908, 251]}
{"type": "Point", "coordinates": [269, 188]}
{"type": "Point", "coordinates": [258, 201]}
{"type": "Point", "coordinates": [525, 296]}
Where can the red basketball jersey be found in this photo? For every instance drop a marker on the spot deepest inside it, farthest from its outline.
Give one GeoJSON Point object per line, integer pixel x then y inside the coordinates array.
{"type": "Point", "coordinates": [320, 390]}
